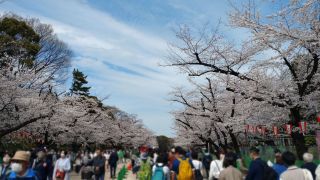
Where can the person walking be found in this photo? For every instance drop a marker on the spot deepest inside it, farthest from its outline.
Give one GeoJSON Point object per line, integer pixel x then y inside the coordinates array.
{"type": "Point", "coordinates": [293, 172]}
{"type": "Point", "coordinates": [41, 165]}
{"type": "Point", "coordinates": [86, 170]}
{"type": "Point", "coordinates": [160, 171]}
{"type": "Point", "coordinates": [121, 156]}
{"type": "Point", "coordinates": [182, 168]}
{"type": "Point", "coordinates": [145, 171]}
{"type": "Point", "coordinates": [20, 167]}
{"type": "Point", "coordinates": [318, 173]}
{"type": "Point", "coordinates": [155, 156]}
{"type": "Point", "coordinates": [279, 166]}
{"type": "Point", "coordinates": [198, 175]}
{"type": "Point", "coordinates": [230, 172]}
{"type": "Point", "coordinates": [62, 168]}
{"type": "Point", "coordinates": [98, 163]}
{"type": "Point", "coordinates": [171, 157]}
{"type": "Point", "coordinates": [206, 161]}
{"type": "Point", "coordinates": [257, 166]}
{"type": "Point", "coordinates": [308, 164]}
{"type": "Point", "coordinates": [78, 162]}
{"type": "Point", "coordinates": [107, 156]}
{"type": "Point", "coordinates": [51, 157]}
{"type": "Point", "coordinates": [5, 168]}
{"type": "Point", "coordinates": [216, 166]}
{"type": "Point", "coordinates": [113, 159]}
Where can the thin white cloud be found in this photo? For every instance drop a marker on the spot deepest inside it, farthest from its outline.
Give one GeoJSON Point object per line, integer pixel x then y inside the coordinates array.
{"type": "Point", "coordinates": [97, 38]}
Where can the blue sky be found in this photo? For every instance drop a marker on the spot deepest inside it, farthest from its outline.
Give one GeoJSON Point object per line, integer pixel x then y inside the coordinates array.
{"type": "Point", "coordinates": [119, 44]}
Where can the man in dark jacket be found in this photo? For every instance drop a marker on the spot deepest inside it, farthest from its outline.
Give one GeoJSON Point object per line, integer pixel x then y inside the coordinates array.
{"type": "Point", "coordinates": [113, 159]}
{"type": "Point", "coordinates": [256, 169]}
{"type": "Point", "coordinates": [98, 163]}
{"type": "Point", "coordinates": [308, 164]}
{"type": "Point", "coordinates": [41, 165]}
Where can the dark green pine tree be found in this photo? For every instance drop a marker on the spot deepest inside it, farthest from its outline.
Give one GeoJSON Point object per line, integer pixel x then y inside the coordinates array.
{"type": "Point", "coordinates": [78, 85]}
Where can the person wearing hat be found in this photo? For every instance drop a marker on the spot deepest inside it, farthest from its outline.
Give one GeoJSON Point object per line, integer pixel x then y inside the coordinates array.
{"type": "Point", "coordinates": [20, 167]}
{"type": "Point", "coordinates": [145, 170]}
{"type": "Point", "coordinates": [5, 168]}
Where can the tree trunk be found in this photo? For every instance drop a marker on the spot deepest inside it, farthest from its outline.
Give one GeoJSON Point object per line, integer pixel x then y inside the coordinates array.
{"type": "Point", "coordinates": [225, 138]}
{"type": "Point", "coordinates": [299, 143]}
{"type": "Point", "coordinates": [46, 138]}
{"type": "Point", "coordinates": [218, 136]}
{"type": "Point", "coordinates": [213, 146]}
{"type": "Point", "coordinates": [234, 142]}
{"type": "Point", "coordinates": [297, 137]}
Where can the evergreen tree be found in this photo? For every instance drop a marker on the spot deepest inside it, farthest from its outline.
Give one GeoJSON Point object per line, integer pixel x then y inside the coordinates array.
{"type": "Point", "coordinates": [79, 80]}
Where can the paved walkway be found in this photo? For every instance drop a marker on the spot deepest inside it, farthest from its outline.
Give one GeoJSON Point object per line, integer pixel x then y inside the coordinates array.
{"type": "Point", "coordinates": [130, 176]}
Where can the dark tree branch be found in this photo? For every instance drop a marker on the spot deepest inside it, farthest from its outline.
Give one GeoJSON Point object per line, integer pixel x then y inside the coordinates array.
{"type": "Point", "coordinates": [230, 71]}
{"type": "Point", "coordinates": [19, 126]}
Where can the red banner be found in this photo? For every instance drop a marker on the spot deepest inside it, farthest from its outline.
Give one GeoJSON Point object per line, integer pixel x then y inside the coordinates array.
{"type": "Point", "coordinates": [303, 126]}
{"type": "Point", "coordinates": [275, 130]}
{"type": "Point", "coordinates": [288, 128]}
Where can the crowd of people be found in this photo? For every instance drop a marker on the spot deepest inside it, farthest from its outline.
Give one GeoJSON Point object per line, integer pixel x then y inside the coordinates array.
{"type": "Point", "coordinates": [150, 164]}
{"type": "Point", "coordinates": [179, 164]}
{"type": "Point", "coordinates": [42, 164]}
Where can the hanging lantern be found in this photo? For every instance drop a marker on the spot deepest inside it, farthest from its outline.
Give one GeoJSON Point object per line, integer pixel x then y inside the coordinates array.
{"type": "Point", "coordinates": [288, 128]}
{"type": "Point", "coordinates": [303, 126]}
{"type": "Point", "coordinates": [246, 128]}
{"type": "Point", "coordinates": [253, 129]}
{"type": "Point", "coordinates": [275, 130]}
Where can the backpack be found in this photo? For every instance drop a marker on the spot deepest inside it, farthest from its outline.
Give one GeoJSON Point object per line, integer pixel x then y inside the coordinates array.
{"type": "Point", "coordinates": [185, 170]}
{"type": "Point", "coordinates": [158, 173]}
{"type": "Point", "coordinates": [269, 173]}
{"type": "Point", "coordinates": [86, 172]}
{"type": "Point", "coordinates": [198, 175]}
{"type": "Point", "coordinates": [207, 161]}
{"type": "Point", "coordinates": [144, 171]}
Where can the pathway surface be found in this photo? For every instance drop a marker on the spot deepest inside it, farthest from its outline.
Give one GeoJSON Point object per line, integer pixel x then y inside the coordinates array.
{"type": "Point", "coordinates": [130, 176]}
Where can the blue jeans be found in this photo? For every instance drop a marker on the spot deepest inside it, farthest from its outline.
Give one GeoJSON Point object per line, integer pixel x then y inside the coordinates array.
{"type": "Point", "coordinates": [99, 177]}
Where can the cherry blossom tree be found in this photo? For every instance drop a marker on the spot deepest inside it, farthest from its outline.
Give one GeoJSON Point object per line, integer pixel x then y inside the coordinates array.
{"type": "Point", "coordinates": [129, 131]}
{"type": "Point", "coordinates": [28, 71]}
{"type": "Point", "coordinates": [83, 120]}
{"type": "Point", "coordinates": [277, 64]}
{"type": "Point", "coordinates": [213, 115]}
{"type": "Point", "coordinates": [20, 106]}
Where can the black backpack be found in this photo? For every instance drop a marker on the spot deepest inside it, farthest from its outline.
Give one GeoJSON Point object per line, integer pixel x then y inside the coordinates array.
{"type": "Point", "coordinates": [269, 173]}
{"type": "Point", "coordinates": [197, 173]}
{"type": "Point", "coordinates": [206, 161]}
